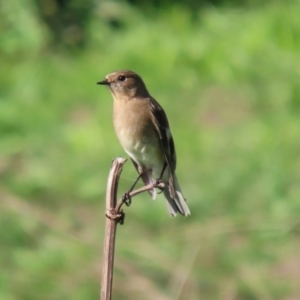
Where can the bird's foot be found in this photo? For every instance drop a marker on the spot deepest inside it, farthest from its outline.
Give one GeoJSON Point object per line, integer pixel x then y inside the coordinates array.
{"type": "Point", "coordinates": [159, 184]}
{"type": "Point", "coordinates": [126, 199]}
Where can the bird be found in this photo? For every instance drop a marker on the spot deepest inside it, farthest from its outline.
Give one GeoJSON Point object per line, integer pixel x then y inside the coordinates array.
{"type": "Point", "coordinates": [142, 128]}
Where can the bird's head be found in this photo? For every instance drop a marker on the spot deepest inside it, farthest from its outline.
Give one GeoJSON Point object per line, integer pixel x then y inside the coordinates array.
{"type": "Point", "coordinates": [125, 83]}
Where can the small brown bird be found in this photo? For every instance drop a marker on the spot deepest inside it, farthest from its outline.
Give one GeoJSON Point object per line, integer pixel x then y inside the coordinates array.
{"type": "Point", "coordinates": [143, 130]}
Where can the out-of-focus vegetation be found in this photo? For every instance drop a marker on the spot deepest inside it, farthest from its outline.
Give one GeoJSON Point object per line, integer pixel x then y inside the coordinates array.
{"type": "Point", "coordinates": [228, 78]}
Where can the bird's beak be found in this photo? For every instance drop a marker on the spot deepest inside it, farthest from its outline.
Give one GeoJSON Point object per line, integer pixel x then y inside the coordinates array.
{"type": "Point", "coordinates": [103, 82]}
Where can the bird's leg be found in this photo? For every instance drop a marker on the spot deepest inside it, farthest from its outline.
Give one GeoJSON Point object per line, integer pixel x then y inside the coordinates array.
{"type": "Point", "coordinates": [126, 197]}
{"type": "Point", "coordinates": [158, 181]}
{"type": "Point", "coordinates": [162, 171]}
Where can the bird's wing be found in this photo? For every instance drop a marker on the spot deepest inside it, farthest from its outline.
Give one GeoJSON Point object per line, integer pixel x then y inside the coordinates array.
{"type": "Point", "coordinates": [161, 124]}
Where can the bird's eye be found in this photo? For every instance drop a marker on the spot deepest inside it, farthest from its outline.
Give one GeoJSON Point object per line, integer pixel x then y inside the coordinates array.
{"type": "Point", "coordinates": [122, 78]}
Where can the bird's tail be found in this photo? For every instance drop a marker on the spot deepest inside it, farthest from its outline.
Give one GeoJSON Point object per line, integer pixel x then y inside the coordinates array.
{"type": "Point", "coordinates": [175, 200]}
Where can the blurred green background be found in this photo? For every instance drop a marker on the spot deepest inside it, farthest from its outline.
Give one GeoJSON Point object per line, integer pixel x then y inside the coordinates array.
{"type": "Point", "coordinates": [227, 73]}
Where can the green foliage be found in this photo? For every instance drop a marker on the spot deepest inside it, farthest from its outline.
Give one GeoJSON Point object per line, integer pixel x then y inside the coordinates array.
{"type": "Point", "coordinates": [21, 31]}
{"type": "Point", "coordinates": [228, 81]}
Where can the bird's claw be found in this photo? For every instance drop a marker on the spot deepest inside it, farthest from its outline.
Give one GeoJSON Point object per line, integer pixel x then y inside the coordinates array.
{"type": "Point", "coordinates": [159, 184]}
{"type": "Point", "coordinates": [126, 199]}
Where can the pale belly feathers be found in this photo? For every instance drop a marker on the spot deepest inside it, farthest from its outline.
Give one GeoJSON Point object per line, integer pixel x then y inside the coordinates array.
{"type": "Point", "coordinates": [140, 142]}
{"type": "Point", "coordinates": [145, 151]}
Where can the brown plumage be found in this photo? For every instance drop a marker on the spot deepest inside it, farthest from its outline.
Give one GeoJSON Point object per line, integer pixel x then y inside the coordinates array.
{"type": "Point", "coordinates": [143, 130]}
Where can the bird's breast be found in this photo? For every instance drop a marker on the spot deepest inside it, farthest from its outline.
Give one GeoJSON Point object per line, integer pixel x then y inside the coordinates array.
{"type": "Point", "coordinates": [137, 134]}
